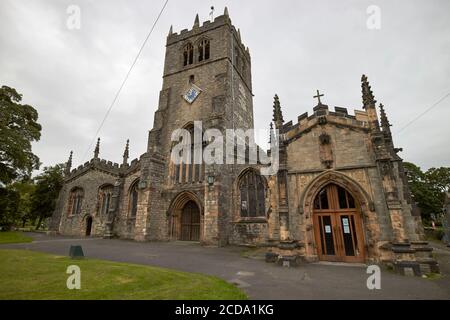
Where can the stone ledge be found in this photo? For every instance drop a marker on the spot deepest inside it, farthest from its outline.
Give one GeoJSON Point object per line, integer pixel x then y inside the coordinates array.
{"type": "Point", "coordinates": [403, 250]}
{"type": "Point", "coordinates": [428, 265]}
{"type": "Point", "coordinates": [419, 243]}
{"type": "Point", "coordinates": [290, 245]}
{"type": "Point", "coordinates": [252, 220]}
{"type": "Point", "coordinates": [408, 268]}
{"type": "Point", "coordinates": [424, 249]}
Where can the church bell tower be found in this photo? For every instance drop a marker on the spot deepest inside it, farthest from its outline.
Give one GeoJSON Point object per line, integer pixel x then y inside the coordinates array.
{"type": "Point", "coordinates": [207, 77]}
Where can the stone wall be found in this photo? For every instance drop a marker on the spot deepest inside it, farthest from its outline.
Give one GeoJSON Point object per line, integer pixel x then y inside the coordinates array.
{"type": "Point", "coordinates": [249, 233]}
{"type": "Point", "coordinates": [124, 223]}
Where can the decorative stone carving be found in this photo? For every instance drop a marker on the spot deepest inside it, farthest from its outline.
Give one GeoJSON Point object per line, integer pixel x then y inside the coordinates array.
{"type": "Point", "coordinates": [326, 151]}
{"type": "Point", "coordinates": [324, 138]}
{"type": "Point", "coordinates": [322, 120]}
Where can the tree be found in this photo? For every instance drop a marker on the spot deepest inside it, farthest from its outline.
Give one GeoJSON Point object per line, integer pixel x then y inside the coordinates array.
{"type": "Point", "coordinates": [428, 188]}
{"type": "Point", "coordinates": [18, 128]}
{"type": "Point", "coordinates": [439, 178]}
{"type": "Point", "coordinates": [48, 185]}
{"type": "Point", "coordinates": [9, 203]}
{"type": "Point", "coordinates": [25, 188]}
{"type": "Point", "coordinates": [15, 203]}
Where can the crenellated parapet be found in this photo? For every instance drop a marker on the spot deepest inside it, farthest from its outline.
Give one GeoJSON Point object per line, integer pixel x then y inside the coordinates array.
{"type": "Point", "coordinates": [103, 165]}
{"type": "Point", "coordinates": [322, 115]}
{"type": "Point", "coordinates": [106, 166]}
{"type": "Point", "coordinates": [99, 164]}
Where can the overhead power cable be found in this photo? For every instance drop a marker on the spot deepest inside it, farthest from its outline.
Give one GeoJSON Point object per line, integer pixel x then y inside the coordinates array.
{"type": "Point", "coordinates": [124, 80]}
{"type": "Point", "coordinates": [423, 113]}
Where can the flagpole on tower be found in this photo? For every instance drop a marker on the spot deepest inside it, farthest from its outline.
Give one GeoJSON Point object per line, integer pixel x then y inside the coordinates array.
{"type": "Point", "coordinates": [211, 14]}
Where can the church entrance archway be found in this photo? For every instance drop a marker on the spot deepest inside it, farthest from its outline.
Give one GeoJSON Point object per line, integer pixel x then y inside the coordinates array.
{"type": "Point", "coordinates": [186, 217]}
{"type": "Point", "coordinates": [88, 226]}
{"type": "Point", "coordinates": [190, 222]}
{"type": "Point", "coordinates": [337, 225]}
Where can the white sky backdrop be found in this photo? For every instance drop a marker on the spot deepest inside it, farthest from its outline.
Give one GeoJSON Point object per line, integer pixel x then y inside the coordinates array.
{"type": "Point", "coordinates": [71, 76]}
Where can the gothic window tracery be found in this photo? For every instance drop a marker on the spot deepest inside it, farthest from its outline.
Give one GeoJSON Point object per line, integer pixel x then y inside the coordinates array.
{"type": "Point", "coordinates": [252, 195]}
{"type": "Point", "coordinates": [75, 201]}
{"type": "Point", "coordinates": [105, 195]}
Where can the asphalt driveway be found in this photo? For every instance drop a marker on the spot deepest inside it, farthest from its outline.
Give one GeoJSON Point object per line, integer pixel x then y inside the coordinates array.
{"type": "Point", "coordinates": [259, 279]}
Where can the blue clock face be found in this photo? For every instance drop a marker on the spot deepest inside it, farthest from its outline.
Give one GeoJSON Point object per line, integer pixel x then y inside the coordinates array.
{"type": "Point", "coordinates": [191, 95]}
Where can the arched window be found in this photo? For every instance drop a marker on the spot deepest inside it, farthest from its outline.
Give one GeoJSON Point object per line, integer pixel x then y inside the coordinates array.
{"type": "Point", "coordinates": [252, 195]}
{"type": "Point", "coordinates": [133, 199]}
{"type": "Point", "coordinates": [203, 50]}
{"type": "Point", "coordinates": [75, 201]}
{"type": "Point", "coordinates": [188, 54]}
{"type": "Point", "coordinates": [191, 170]}
{"type": "Point", "coordinates": [333, 197]}
{"type": "Point", "coordinates": [104, 198]}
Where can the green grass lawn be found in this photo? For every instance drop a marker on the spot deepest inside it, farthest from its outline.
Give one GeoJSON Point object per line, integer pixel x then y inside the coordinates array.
{"type": "Point", "coordinates": [33, 275]}
{"type": "Point", "coordinates": [13, 237]}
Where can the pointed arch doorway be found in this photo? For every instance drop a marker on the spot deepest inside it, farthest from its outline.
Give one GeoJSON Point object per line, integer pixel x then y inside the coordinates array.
{"type": "Point", "coordinates": [337, 225]}
{"type": "Point", "coordinates": [186, 218]}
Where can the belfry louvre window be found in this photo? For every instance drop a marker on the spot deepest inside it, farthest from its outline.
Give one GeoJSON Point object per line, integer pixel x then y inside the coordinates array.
{"type": "Point", "coordinates": [188, 54]}
{"type": "Point", "coordinates": [252, 195]}
{"type": "Point", "coordinates": [75, 201]}
{"type": "Point", "coordinates": [203, 50]}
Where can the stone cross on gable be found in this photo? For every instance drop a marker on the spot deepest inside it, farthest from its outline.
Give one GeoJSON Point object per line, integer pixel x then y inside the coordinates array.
{"type": "Point", "coordinates": [318, 96]}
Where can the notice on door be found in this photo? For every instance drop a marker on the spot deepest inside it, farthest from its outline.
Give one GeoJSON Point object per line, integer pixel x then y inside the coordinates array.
{"type": "Point", "coordinates": [327, 229]}
{"type": "Point", "coordinates": [345, 224]}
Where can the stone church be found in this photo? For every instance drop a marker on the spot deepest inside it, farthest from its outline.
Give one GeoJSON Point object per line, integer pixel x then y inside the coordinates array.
{"type": "Point", "coordinates": [340, 193]}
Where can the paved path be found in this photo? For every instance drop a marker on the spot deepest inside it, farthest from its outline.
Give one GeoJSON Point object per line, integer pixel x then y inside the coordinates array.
{"type": "Point", "coordinates": [259, 279]}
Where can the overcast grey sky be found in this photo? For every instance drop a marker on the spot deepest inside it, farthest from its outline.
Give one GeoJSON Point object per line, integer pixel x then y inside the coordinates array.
{"type": "Point", "coordinates": [71, 76]}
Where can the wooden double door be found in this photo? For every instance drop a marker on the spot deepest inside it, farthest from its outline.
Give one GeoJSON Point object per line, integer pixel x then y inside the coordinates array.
{"type": "Point", "coordinates": [338, 226]}
{"type": "Point", "coordinates": [190, 222]}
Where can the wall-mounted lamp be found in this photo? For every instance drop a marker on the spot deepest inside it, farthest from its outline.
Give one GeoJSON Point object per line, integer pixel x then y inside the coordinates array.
{"type": "Point", "coordinates": [210, 180]}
